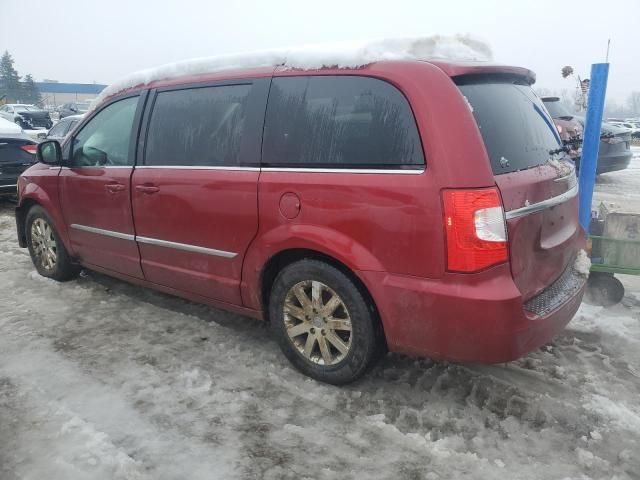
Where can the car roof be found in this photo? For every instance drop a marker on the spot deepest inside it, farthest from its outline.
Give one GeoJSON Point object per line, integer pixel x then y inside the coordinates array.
{"type": "Point", "coordinates": [454, 55]}
{"type": "Point", "coordinates": [69, 118]}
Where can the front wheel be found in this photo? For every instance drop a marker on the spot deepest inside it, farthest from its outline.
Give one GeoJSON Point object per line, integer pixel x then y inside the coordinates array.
{"type": "Point", "coordinates": [47, 251]}
{"type": "Point", "coordinates": [322, 322]}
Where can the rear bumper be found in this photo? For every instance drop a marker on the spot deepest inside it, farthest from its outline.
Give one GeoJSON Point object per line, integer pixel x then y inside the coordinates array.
{"type": "Point", "coordinates": [614, 162]}
{"type": "Point", "coordinates": [466, 318]}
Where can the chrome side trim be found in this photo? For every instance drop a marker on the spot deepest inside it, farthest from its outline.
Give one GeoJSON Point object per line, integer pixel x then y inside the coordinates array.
{"type": "Point", "coordinates": [185, 247]}
{"type": "Point", "coordinates": [195, 167]}
{"type": "Point", "coordinates": [154, 241]}
{"type": "Point", "coordinates": [346, 170]}
{"type": "Point", "coordinates": [7, 186]}
{"type": "Point", "coordinates": [548, 203]}
{"type": "Point", "coordinates": [128, 167]}
{"type": "Point", "coordinates": [100, 231]}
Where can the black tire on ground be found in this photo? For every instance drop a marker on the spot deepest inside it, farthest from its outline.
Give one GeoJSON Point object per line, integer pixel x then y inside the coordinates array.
{"type": "Point", "coordinates": [604, 289]}
{"type": "Point", "coordinates": [64, 269]}
{"type": "Point", "coordinates": [366, 338]}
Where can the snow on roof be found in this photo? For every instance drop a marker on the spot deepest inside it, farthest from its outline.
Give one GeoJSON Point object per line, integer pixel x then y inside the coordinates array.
{"type": "Point", "coordinates": [9, 128]}
{"type": "Point", "coordinates": [336, 54]}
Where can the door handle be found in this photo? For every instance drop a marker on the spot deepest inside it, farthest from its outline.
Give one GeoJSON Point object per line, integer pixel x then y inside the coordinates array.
{"type": "Point", "coordinates": [148, 189]}
{"type": "Point", "coordinates": [114, 187]}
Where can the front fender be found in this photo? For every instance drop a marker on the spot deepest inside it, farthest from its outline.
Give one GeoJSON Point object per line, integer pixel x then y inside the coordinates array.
{"type": "Point", "coordinates": [46, 196]}
{"type": "Point", "coordinates": [317, 238]}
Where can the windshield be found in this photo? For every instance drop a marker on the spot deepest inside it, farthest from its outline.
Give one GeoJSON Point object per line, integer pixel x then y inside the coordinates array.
{"type": "Point", "coordinates": [515, 127]}
{"type": "Point", "coordinates": [82, 107]}
{"type": "Point", "coordinates": [557, 109]}
{"type": "Point", "coordinates": [24, 108]}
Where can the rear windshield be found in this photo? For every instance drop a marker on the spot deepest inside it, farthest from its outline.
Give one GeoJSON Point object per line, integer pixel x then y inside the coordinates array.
{"type": "Point", "coordinates": [514, 124]}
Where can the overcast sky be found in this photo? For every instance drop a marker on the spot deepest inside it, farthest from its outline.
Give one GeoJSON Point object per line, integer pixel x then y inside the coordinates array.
{"type": "Point", "coordinates": [87, 40]}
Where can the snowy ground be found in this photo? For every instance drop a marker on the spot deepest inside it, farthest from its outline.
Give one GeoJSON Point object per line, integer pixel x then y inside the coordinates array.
{"type": "Point", "coordinates": [103, 380]}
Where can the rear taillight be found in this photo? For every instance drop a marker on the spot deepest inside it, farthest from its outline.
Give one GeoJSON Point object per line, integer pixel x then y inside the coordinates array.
{"type": "Point", "coordinates": [32, 149]}
{"type": "Point", "coordinates": [475, 229]}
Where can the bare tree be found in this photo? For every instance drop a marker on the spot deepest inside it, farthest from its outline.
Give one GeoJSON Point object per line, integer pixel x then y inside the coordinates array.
{"type": "Point", "coordinates": [633, 102]}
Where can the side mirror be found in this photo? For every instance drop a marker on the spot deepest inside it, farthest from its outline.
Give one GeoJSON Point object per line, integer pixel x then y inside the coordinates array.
{"type": "Point", "coordinates": [73, 109]}
{"type": "Point", "coordinates": [49, 152]}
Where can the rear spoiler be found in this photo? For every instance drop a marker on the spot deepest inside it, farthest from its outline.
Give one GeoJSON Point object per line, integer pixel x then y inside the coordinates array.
{"type": "Point", "coordinates": [464, 69]}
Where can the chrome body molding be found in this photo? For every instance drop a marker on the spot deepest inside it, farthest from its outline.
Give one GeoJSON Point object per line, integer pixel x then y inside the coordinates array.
{"type": "Point", "coordinates": [66, 167]}
{"type": "Point", "coordinates": [376, 171]}
{"type": "Point", "coordinates": [154, 241]}
{"type": "Point", "coordinates": [186, 247]}
{"type": "Point", "coordinates": [10, 185]}
{"type": "Point", "coordinates": [196, 167]}
{"type": "Point", "coordinates": [548, 203]}
{"type": "Point", "coordinates": [100, 231]}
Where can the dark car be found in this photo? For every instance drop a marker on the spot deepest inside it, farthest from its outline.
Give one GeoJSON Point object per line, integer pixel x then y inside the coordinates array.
{"type": "Point", "coordinates": [28, 117]}
{"type": "Point", "coordinates": [76, 108]}
{"type": "Point", "coordinates": [569, 128]}
{"type": "Point", "coordinates": [17, 153]}
{"type": "Point", "coordinates": [615, 147]}
{"type": "Point", "coordinates": [63, 127]}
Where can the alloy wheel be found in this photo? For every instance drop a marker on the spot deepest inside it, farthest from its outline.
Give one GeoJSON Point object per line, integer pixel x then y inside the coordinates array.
{"type": "Point", "coordinates": [45, 248]}
{"type": "Point", "coordinates": [317, 322]}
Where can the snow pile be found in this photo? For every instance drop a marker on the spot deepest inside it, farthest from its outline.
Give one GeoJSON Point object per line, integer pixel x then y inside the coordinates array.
{"type": "Point", "coordinates": [582, 264]}
{"type": "Point", "coordinates": [335, 54]}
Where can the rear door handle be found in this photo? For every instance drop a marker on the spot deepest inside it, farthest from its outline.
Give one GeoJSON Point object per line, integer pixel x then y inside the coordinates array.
{"type": "Point", "coordinates": [114, 187]}
{"type": "Point", "coordinates": [148, 189]}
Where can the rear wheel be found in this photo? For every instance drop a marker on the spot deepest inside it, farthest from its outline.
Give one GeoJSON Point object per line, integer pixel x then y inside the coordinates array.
{"type": "Point", "coordinates": [322, 322]}
{"type": "Point", "coordinates": [47, 251]}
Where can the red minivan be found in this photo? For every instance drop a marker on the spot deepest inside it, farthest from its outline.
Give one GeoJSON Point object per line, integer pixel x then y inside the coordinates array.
{"type": "Point", "coordinates": [424, 207]}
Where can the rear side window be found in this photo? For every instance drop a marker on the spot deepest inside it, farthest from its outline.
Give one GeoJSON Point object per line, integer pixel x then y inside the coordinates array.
{"type": "Point", "coordinates": [516, 129]}
{"type": "Point", "coordinates": [339, 122]}
{"type": "Point", "coordinates": [197, 126]}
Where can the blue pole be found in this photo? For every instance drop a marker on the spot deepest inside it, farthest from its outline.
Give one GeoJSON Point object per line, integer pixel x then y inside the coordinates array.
{"type": "Point", "coordinates": [591, 142]}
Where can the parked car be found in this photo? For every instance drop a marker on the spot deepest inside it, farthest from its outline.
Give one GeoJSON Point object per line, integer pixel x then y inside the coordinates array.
{"type": "Point", "coordinates": [28, 117]}
{"type": "Point", "coordinates": [569, 128]}
{"type": "Point", "coordinates": [63, 127]}
{"type": "Point", "coordinates": [356, 209]}
{"type": "Point", "coordinates": [614, 152]}
{"type": "Point", "coordinates": [633, 129]}
{"type": "Point", "coordinates": [75, 108]}
{"type": "Point", "coordinates": [17, 153]}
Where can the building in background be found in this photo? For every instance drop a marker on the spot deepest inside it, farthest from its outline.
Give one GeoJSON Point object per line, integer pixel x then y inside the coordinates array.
{"type": "Point", "coordinates": [57, 93]}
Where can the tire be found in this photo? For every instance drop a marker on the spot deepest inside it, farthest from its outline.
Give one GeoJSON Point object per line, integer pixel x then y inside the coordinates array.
{"type": "Point", "coordinates": [604, 289]}
{"type": "Point", "coordinates": [347, 354]}
{"type": "Point", "coordinates": [47, 251]}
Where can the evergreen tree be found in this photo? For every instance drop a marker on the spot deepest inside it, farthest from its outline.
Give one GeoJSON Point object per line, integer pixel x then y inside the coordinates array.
{"type": "Point", "coordinates": [30, 94]}
{"type": "Point", "coordinates": [9, 79]}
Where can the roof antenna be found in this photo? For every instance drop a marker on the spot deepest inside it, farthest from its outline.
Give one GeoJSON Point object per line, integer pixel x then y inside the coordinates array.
{"type": "Point", "coordinates": [608, 45]}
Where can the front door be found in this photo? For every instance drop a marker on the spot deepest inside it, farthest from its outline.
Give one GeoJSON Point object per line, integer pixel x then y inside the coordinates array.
{"type": "Point", "coordinates": [95, 189]}
{"type": "Point", "coordinates": [195, 198]}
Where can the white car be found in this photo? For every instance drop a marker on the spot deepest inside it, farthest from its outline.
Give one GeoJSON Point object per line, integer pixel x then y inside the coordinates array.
{"type": "Point", "coordinates": [634, 127]}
